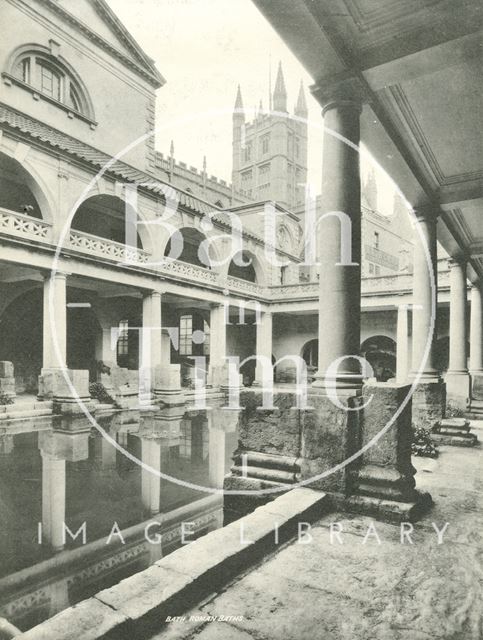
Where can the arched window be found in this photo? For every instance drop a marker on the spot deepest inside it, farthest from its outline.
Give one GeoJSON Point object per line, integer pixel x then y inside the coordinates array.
{"type": "Point", "coordinates": [50, 78]}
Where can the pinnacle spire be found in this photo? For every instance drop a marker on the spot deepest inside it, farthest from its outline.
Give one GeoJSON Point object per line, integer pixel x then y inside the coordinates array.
{"type": "Point", "coordinates": [280, 92]}
{"type": "Point", "coordinates": [238, 101]}
{"type": "Point", "coordinates": [301, 106]}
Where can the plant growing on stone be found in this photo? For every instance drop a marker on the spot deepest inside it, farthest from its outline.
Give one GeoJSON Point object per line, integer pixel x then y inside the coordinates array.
{"type": "Point", "coordinates": [98, 391]}
{"type": "Point", "coordinates": [5, 398]}
{"type": "Point", "coordinates": [454, 412]}
{"type": "Point", "coordinates": [422, 445]}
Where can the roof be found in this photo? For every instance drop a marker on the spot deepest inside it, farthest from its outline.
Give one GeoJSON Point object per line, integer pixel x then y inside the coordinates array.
{"type": "Point", "coordinates": [55, 139]}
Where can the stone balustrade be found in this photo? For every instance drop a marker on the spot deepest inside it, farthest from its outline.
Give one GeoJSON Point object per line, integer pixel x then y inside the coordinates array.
{"type": "Point", "coordinates": [24, 226]}
{"type": "Point", "coordinates": [105, 248]}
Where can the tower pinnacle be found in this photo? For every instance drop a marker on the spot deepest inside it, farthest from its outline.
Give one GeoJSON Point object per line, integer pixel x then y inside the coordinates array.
{"type": "Point", "coordinates": [238, 101]}
{"type": "Point", "coordinates": [280, 93]}
{"type": "Point", "coordinates": [301, 106]}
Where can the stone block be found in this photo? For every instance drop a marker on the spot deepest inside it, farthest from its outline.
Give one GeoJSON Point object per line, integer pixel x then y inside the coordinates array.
{"type": "Point", "coordinates": [6, 369]}
{"type": "Point", "coordinates": [458, 389]}
{"type": "Point", "coordinates": [386, 471]}
{"type": "Point", "coordinates": [272, 431]}
{"type": "Point", "coordinates": [55, 385]}
{"type": "Point", "coordinates": [168, 378]}
{"type": "Point", "coordinates": [150, 595]}
{"type": "Point", "coordinates": [64, 446]}
{"type": "Point", "coordinates": [477, 386]}
{"type": "Point", "coordinates": [329, 435]}
{"type": "Point", "coordinates": [428, 404]}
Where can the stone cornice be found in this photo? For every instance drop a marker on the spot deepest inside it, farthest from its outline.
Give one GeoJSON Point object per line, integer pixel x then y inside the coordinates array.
{"type": "Point", "coordinates": [144, 67]}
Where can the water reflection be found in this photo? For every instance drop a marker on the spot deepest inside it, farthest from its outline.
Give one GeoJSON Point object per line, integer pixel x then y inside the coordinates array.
{"type": "Point", "coordinates": [66, 491]}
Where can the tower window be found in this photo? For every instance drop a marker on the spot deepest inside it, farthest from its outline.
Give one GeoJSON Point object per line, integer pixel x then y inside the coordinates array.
{"type": "Point", "coordinates": [248, 152]}
{"type": "Point", "coordinates": [376, 239]}
{"type": "Point", "coordinates": [265, 144]}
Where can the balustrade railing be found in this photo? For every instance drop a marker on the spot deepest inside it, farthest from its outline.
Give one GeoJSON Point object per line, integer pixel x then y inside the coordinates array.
{"type": "Point", "coordinates": [21, 225]}
{"type": "Point", "coordinates": [105, 248]}
{"type": "Point", "coordinates": [189, 271]}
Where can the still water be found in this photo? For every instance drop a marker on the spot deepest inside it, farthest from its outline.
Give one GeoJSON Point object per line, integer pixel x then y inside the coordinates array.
{"type": "Point", "coordinates": [62, 470]}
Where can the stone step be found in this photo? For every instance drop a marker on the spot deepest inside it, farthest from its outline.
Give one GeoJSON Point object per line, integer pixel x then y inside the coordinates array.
{"type": "Point", "coordinates": [454, 425]}
{"type": "Point", "coordinates": [32, 413]}
{"type": "Point", "coordinates": [461, 440]}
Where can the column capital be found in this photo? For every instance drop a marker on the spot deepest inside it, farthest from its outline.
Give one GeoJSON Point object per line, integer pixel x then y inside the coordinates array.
{"type": "Point", "coordinates": [58, 274]}
{"type": "Point", "coordinates": [347, 91]}
{"type": "Point", "coordinates": [427, 213]}
{"type": "Point", "coordinates": [458, 261]}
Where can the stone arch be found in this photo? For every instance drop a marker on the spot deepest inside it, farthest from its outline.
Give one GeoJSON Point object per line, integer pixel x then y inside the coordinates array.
{"type": "Point", "coordinates": [104, 215]}
{"type": "Point", "coordinates": [192, 251]}
{"type": "Point", "coordinates": [21, 189]}
{"type": "Point", "coordinates": [380, 352]}
{"type": "Point", "coordinates": [252, 272]}
{"type": "Point", "coordinates": [21, 337]}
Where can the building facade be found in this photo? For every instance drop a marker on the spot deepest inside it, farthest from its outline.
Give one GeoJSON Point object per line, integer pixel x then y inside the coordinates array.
{"type": "Point", "coordinates": [87, 229]}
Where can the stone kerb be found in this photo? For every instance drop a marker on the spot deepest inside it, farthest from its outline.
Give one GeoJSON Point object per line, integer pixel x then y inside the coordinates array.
{"type": "Point", "coordinates": [185, 577]}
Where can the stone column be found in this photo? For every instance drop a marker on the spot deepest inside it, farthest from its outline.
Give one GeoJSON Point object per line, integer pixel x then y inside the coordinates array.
{"type": "Point", "coordinates": [402, 344]}
{"type": "Point", "coordinates": [429, 395]}
{"type": "Point", "coordinates": [53, 500]}
{"type": "Point", "coordinates": [425, 295]}
{"type": "Point", "coordinates": [340, 271]}
{"type": "Point", "coordinates": [150, 482]}
{"type": "Point", "coordinates": [55, 448]}
{"type": "Point", "coordinates": [264, 346]}
{"type": "Point", "coordinates": [150, 355]}
{"type": "Point", "coordinates": [52, 382]}
{"type": "Point", "coordinates": [217, 344]}
{"type": "Point", "coordinates": [476, 331]}
{"type": "Point", "coordinates": [55, 321]}
{"type": "Point", "coordinates": [216, 449]}
{"type": "Point", "coordinates": [457, 377]}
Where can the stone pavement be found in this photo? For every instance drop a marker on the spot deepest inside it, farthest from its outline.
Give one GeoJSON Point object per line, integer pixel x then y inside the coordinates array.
{"type": "Point", "coordinates": [361, 589]}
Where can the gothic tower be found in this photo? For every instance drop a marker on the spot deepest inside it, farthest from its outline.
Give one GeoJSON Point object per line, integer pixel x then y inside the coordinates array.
{"type": "Point", "coordinates": [270, 152]}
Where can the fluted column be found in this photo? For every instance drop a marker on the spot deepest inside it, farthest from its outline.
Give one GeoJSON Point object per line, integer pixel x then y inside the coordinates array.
{"type": "Point", "coordinates": [476, 330]}
{"type": "Point", "coordinates": [263, 344]}
{"type": "Point", "coordinates": [425, 296]}
{"type": "Point", "coordinates": [55, 321]}
{"type": "Point", "coordinates": [402, 344]}
{"type": "Point", "coordinates": [340, 284]}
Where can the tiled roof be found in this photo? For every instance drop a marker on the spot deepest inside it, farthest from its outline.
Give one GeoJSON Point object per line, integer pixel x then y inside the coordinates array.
{"type": "Point", "coordinates": [67, 144]}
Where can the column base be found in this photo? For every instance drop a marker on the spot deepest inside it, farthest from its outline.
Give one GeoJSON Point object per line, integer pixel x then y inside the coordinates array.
{"type": "Point", "coordinates": [385, 509]}
{"type": "Point", "coordinates": [344, 383]}
{"type": "Point", "coordinates": [454, 432]}
{"type": "Point", "coordinates": [428, 404]}
{"type": "Point", "coordinates": [167, 386]}
{"type": "Point", "coordinates": [66, 400]}
{"type": "Point", "coordinates": [476, 385]}
{"type": "Point", "coordinates": [458, 385]}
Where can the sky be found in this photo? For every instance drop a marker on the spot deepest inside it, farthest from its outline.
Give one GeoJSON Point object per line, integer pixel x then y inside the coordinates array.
{"type": "Point", "coordinates": [204, 49]}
